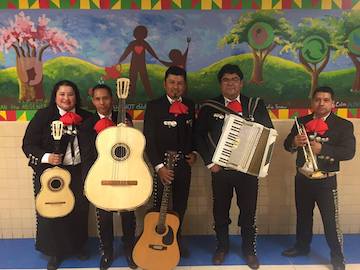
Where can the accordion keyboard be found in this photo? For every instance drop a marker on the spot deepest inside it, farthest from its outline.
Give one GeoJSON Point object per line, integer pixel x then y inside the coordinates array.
{"type": "Point", "coordinates": [236, 131]}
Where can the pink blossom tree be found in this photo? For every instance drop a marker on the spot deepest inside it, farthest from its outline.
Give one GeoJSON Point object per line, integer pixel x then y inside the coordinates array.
{"type": "Point", "coordinates": [29, 42]}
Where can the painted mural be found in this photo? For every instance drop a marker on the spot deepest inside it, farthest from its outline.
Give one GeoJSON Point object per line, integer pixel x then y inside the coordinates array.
{"type": "Point", "coordinates": [284, 55]}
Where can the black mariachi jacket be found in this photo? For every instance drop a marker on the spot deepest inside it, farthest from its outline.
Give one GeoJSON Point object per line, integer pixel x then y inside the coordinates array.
{"type": "Point", "coordinates": [165, 131]}
{"type": "Point", "coordinates": [340, 145]}
{"type": "Point", "coordinates": [210, 122]}
{"type": "Point", "coordinates": [38, 139]}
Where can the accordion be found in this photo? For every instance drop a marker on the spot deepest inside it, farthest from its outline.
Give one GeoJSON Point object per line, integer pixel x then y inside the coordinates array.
{"type": "Point", "coordinates": [245, 146]}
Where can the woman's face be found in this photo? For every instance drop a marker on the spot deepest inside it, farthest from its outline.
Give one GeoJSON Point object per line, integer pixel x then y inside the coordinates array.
{"type": "Point", "coordinates": [65, 98]}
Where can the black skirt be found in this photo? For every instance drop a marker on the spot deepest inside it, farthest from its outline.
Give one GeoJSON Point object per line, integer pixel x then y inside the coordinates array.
{"type": "Point", "coordinates": [67, 235]}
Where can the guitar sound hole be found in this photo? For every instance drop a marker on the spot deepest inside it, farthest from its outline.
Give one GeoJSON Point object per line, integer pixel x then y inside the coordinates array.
{"type": "Point", "coordinates": [160, 229]}
{"type": "Point", "coordinates": [55, 184]}
{"type": "Point", "coordinates": [120, 151]}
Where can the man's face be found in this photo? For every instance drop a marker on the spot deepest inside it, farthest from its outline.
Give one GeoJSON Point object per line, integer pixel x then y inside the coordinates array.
{"type": "Point", "coordinates": [175, 86]}
{"type": "Point", "coordinates": [102, 101]}
{"type": "Point", "coordinates": [322, 104]}
{"type": "Point", "coordinates": [231, 85]}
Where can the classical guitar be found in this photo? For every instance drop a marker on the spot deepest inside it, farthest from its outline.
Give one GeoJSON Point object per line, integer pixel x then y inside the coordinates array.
{"type": "Point", "coordinates": [157, 247]}
{"type": "Point", "coordinates": [119, 179]}
{"type": "Point", "coordinates": [55, 198]}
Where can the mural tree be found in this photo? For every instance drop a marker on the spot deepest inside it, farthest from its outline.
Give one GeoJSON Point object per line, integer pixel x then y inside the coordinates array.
{"type": "Point", "coordinates": [312, 43]}
{"type": "Point", "coordinates": [262, 31]}
{"type": "Point", "coordinates": [347, 41]}
{"type": "Point", "coordinates": [29, 42]}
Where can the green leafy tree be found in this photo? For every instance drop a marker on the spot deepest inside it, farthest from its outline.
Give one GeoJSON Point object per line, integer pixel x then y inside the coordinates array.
{"type": "Point", "coordinates": [309, 27]}
{"type": "Point", "coordinates": [240, 33]}
{"type": "Point", "coordinates": [344, 26]}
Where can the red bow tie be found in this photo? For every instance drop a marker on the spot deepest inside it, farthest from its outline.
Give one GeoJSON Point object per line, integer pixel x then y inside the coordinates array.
{"type": "Point", "coordinates": [178, 108]}
{"type": "Point", "coordinates": [235, 106]}
{"type": "Point", "coordinates": [103, 124]}
{"type": "Point", "coordinates": [318, 126]}
{"type": "Point", "coordinates": [71, 118]}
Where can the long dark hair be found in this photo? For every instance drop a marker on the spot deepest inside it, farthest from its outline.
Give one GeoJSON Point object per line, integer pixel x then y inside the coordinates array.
{"type": "Point", "coordinates": [52, 102]}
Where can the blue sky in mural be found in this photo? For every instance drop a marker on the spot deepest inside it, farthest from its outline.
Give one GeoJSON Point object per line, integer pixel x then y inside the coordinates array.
{"type": "Point", "coordinates": [103, 35]}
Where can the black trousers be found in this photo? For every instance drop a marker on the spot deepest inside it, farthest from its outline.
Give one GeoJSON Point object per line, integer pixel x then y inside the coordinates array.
{"type": "Point", "coordinates": [246, 187]}
{"type": "Point", "coordinates": [324, 194]}
{"type": "Point", "coordinates": [180, 190]}
{"type": "Point", "coordinates": [106, 229]}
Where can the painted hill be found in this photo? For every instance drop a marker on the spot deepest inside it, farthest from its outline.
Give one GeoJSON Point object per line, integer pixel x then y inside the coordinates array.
{"type": "Point", "coordinates": [285, 82]}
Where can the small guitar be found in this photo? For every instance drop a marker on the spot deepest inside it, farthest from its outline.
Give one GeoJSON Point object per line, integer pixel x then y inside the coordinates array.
{"type": "Point", "coordinates": [55, 198]}
{"type": "Point", "coordinates": [119, 178]}
{"type": "Point", "coordinates": [157, 247]}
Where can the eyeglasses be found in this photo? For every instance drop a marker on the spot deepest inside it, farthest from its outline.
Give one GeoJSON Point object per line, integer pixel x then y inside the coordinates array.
{"type": "Point", "coordinates": [228, 80]}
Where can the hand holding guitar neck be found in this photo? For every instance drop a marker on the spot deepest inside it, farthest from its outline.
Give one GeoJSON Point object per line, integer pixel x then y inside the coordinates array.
{"type": "Point", "coordinates": [166, 175]}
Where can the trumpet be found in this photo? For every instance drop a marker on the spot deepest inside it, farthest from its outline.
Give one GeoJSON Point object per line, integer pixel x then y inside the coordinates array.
{"type": "Point", "coordinates": [310, 168]}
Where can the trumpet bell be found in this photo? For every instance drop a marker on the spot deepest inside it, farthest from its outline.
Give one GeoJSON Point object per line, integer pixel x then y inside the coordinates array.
{"type": "Point", "coordinates": [308, 170]}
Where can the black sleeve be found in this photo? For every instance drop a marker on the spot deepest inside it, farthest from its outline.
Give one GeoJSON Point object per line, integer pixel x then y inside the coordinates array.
{"type": "Point", "coordinates": [149, 132]}
{"type": "Point", "coordinates": [289, 140]}
{"type": "Point", "coordinates": [262, 114]}
{"type": "Point", "coordinates": [345, 148]}
{"type": "Point", "coordinates": [87, 145]}
{"type": "Point", "coordinates": [32, 141]}
{"type": "Point", "coordinates": [203, 145]}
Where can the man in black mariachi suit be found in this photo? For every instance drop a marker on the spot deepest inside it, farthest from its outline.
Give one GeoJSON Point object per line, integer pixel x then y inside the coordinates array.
{"type": "Point", "coordinates": [208, 130]}
{"type": "Point", "coordinates": [168, 125]}
{"type": "Point", "coordinates": [101, 119]}
{"type": "Point", "coordinates": [333, 142]}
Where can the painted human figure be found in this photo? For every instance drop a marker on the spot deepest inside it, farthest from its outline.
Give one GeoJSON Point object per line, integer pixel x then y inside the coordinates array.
{"type": "Point", "coordinates": [138, 47]}
{"type": "Point", "coordinates": [177, 58]}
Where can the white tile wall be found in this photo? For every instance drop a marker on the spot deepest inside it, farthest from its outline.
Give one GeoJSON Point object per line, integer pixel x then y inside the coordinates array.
{"type": "Point", "coordinates": [275, 213]}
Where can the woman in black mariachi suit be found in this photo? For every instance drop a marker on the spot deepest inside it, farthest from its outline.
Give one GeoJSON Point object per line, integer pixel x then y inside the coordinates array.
{"type": "Point", "coordinates": [59, 237]}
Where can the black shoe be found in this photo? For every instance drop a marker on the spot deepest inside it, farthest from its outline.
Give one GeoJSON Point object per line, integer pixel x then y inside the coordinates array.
{"type": "Point", "coordinates": [105, 261]}
{"type": "Point", "coordinates": [252, 261]}
{"type": "Point", "coordinates": [219, 256]}
{"type": "Point", "coordinates": [338, 266]}
{"type": "Point", "coordinates": [129, 258]}
{"type": "Point", "coordinates": [294, 252]}
{"type": "Point", "coordinates": [54, 263]}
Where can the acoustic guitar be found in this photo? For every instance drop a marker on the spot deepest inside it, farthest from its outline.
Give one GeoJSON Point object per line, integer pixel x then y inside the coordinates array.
{"type": "Point", "coordinates": [55, 198]}
{"type": "Point", "coordinates": [119, 179]}
{"type": "Point", "coordinates": [157, 247]}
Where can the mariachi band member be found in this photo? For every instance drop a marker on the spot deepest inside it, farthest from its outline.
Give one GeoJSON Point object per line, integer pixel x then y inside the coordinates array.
{"type": "Point", "coordinates": [168, 125]}
{"type": "Point", "coordinates": [105, 117]}
{"type": "Point", "coordinates": [208, 130]}
{"type": "Point", "coordinates": [333, 142]}
{"type": "Point", "coordinates": [65, 236]}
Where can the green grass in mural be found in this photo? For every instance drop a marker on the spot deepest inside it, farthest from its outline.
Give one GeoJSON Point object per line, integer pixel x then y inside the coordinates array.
{"type": "Point", "coordinates": [285, 83]}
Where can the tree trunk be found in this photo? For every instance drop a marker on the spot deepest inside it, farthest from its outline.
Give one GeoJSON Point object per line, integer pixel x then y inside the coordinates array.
{"type": "Point", "coordinates": [356, 83]}
{"type": "Point", "coordinates": [29, 71]}
{"type": "Point", "coordinates": [314, 82]}
{"type": "Point", "coordinates": [256, 76]}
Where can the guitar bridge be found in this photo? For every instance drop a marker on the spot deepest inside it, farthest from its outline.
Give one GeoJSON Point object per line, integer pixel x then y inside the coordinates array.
{"type": "Point", "coordinates": [157, 247]}
{"type": "Point", "coordinates": [54, 202]}
{"type": "Point", "coordinates": [119, 183]}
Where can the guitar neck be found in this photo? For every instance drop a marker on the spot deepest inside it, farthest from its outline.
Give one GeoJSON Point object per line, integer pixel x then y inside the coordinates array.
{"type": "Point", "coordinates": [170, 164]}
{"type": "Point", "coordinates": [122, 111]}
{"type": "Point", "coordinates": [57, 146]}
{"type": "Point", "coordinates": [164, 204]}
